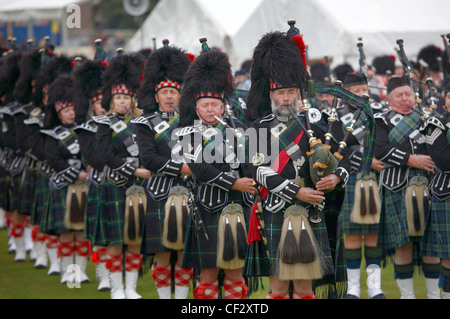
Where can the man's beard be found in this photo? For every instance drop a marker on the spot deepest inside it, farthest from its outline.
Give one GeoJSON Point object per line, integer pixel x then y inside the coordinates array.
{"type": "Point", "coordinates": [283, 113]}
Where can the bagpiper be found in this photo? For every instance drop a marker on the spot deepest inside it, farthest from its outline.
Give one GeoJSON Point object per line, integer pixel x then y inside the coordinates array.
{"type": "Point", "coordinates": [211, 145]}
{"type": "Point", "coordinates": [167, 200]}
{"type": "Point", "coordinates": [123, 196]}
{"type": "Point", "coordinates": [283, 242]}
{"type": "Point", "coordinates": [435, 237]}
{"type": "Point", "coordinates": [360, 213]}
{"type": "Point", "coordinates": [88, 103]}
{"type": "Point", "coordinates": [64, 214]}
{"type": "Point", "coordinates": [404, 181]}
{"type": "Point", "coordinates": [51, 67]}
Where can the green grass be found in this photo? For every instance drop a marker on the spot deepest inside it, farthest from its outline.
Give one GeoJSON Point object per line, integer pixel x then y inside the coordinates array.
{"type": "Point", "coordinates": [23, 281]}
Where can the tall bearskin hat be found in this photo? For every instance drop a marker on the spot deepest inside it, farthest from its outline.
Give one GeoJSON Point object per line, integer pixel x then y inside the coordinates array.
{"type": "Point", "coordinates": [165, 68]}
{"type": "Point", "coordinates": [430, 55]}
{"type": "Point", "coordinates": [9, 75]}
{"type": "Point", "coordinates": [61, 94]}
{"type": "Point", "coordinates": [29, 69]}
{"type": "Point", "coordinates": [123, 76]}
{"type": "Point", "coordinates": [88, 85]}
{"type": "Point", "coordinates": [48, 73]}
{"type": "Point", "coordinates": [277, 63]}
{"type": "Point", "coordinates": [209, 76]}
{"type": "Point", "coordinates": [384, 65]}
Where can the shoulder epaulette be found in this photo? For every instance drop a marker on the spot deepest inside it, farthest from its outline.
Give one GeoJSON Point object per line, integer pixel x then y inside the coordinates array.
{"type": "Point", "coordinates": [142, 120]}
{"type": "Point", "coordinates": [50, 133]}
{"type": "Point", "coordinates": [89, 126]}
{"type": "Point", "coordinates": [102, 119]}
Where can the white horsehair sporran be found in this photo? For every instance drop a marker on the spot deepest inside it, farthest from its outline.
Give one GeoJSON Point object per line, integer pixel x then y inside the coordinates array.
{"type": "Point", "coordinates": [135, 207]}
{"type": "Point", "coordinates": [231, 237]}
{"type": "Point", "coordinates": [76, 203]}
{"type": "Point", "coordinates": [367, 203]}
{"type": "Point", "coordinates": [176, 215]}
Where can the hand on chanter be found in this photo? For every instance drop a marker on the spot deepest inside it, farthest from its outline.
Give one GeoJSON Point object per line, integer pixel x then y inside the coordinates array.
{"type": "Point", "coordinates": [328, 182]}
{"type": "Point", "coordinates": [310, 196]}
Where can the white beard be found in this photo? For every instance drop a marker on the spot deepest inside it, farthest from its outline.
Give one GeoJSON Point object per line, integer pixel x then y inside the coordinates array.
{"type": "Point", "coordinates": [283, 114]}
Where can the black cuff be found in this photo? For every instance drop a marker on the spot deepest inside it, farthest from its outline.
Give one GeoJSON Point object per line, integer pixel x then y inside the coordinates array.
{"type": "Point", "coordinates": [342, 174]}
{"type": "Point", "coordinates": [288, 192]}
{"type": "Point", "coordinates": [172, 168]}
{"type": "Point", "coordinates": [126, 170]}
{"type": "Point", "coordinates": [223, 181]}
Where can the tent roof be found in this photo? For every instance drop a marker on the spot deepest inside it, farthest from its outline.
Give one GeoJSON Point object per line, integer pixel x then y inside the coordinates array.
{"type": "Point", "coordinates": [330, 28]}
{"type": "Point", "coordinates": [24, 10]}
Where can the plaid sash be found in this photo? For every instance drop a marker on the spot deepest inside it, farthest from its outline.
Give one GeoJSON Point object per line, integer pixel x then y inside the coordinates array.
{"type": "Point", "coordinates": [403, 129]}
{"type": "Point", "coordinates": [122, 136]}
{"type": "Point", "coordinates": [165, 136]}
{"type": "Point", "coordinates": [284, 133]}
{"type": "Point", "coordinates": [68, 140]}
{"type": "Point", "coordinates": [237, 101]}
{"type": "Point", "coordinates": [208, 142]}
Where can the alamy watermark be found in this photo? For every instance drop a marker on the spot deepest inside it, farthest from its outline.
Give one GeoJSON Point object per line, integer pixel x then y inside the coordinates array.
{"type": "Point", "coordinates": [73, 20]}
{"type": "Point", "coordinates": [232, 146]}
{"type": "Point", "coordinates": [74, 276]}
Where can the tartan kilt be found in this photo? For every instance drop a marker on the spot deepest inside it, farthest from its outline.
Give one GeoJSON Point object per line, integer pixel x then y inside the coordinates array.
{"type": "Point", "coordinates": [349, 227]}
{"type": "Point", "coordinates": [154, 224]}
{"type": "Point", "coordinates": [110, 226]}
{"type": "Point", "coordinates": [4, 182]}
{"type": "Point", "coordinates": [27, 189]}
{"type": "Point", "coordinates": [274, 224]}
{"type": "Point", "coordinates": [435, 241]}
{"type": "Point", "coordinates": [200, 252]}
{"type": "Point", "coordinates": [93, 204]}
{"type": "Point", "coordinates": [393, 230]}
{"type": "Point", "coordinates": [13, 192]}
{"type": "Point", "coordinates": [53, 218]}
{"type": "Point", "coordinates": [333, 285]}
{"type": "Point", "coordinates": [40, 200]}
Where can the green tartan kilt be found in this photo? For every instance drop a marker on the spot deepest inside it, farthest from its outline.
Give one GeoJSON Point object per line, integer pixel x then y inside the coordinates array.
{"type": "Point", "coordinates": [4, 182]}
{"type": "Point", "coordinates": [334, 283]}
{"type": "Point", "coordinates": [13, 193]}
{"type": "Point", "coordinates": [153, 227]}
{"type": "Point", "coordinates": [198, 251]}
{"type": "Point", "coordinates": [27, 190]}
{"type": "Point", "coordinates": [40, 200]}
{"type": "Point", "coordinates": [435, 241]}
{"type": "Point", "coordinates": [94, 202]}
{"type": "Point", "coordinates": [274, 224]}
{"type": "Point", "coordinates": [393, 230]}
{"type": "Point", "coordinates": [110, 227]}
{"type": "Point", "coordinates": [53, 217]}
{"type": "Point", "coordinates": [349, 227]}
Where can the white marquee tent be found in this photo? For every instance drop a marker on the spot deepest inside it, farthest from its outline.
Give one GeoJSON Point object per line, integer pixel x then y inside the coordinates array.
{"type": "Point", "coordinates": [330, 27]}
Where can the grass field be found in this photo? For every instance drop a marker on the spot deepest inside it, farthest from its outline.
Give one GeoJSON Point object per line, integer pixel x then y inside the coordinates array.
{"type": "Point", "coordinates": [23, 281]}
